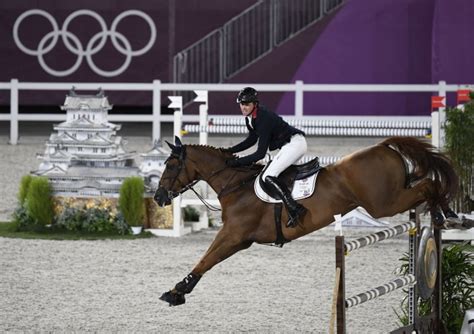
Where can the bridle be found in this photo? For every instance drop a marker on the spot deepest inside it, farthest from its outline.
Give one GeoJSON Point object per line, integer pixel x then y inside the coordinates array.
{"type": "Point", "coordinates": [172, 194]}
{"type": "Point", "coordinates": [185, 187]}
{"type": "Point", "coordinates": [180, 157]}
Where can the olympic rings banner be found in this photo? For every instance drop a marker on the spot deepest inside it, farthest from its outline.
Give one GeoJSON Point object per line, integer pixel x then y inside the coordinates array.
{"type": "Point", "coordinates": [105, 41]}
{"type": "Point", "coordinates": [74, 45]}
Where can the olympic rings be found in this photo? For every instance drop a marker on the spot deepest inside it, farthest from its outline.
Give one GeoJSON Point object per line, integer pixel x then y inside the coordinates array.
{"type": "Point", "coordinates": [74, 45]}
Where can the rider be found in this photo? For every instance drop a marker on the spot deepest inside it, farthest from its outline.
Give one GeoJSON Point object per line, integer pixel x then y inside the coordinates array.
{"type": "Point", "coordinates": [272, 133]}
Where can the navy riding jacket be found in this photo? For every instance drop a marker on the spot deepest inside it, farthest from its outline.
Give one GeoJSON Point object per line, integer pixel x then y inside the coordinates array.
{"type": "Point", "coordinates": [271, 132]}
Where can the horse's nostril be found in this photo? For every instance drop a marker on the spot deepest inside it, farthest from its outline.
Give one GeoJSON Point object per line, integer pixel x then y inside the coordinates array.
{"type": "Point", "coordinates": [161, 196]}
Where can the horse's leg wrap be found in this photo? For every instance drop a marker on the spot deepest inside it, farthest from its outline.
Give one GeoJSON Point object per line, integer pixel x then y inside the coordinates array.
{"type": "Point", "coordinates": [176, 296]}
{"type": "Point", "coordinates": [187, 284]}
{"type": "Point", "coordinates": [437, 217]}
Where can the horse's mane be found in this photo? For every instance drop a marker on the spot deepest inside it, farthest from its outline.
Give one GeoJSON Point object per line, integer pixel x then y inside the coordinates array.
{"type": "Point", "coordinates": [222, 154]}
{"type": "Point", "coordinates": [211, 149]}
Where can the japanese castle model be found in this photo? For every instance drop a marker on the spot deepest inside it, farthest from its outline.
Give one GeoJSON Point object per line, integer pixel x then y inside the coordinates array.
{"type": "Point", "coordinates": [85, 158]}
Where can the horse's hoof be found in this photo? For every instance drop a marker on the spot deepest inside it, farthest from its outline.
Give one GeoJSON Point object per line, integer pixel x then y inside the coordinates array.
{"type": "Point", "coordinates": [173, 299]}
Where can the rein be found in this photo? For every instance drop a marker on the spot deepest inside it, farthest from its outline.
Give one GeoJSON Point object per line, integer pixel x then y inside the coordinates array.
{"type": "Point", "coordinates": [225, 190]}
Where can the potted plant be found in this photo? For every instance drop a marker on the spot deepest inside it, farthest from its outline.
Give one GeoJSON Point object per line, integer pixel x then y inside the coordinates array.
{"type": "Point", "coordinates": [131, 202]}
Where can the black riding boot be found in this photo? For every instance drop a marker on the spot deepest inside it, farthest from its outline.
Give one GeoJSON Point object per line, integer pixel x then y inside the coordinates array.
{"type": "Point", "coordinates": [295, 210]}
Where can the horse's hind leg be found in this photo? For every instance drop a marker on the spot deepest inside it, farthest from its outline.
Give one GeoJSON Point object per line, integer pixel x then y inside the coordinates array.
{"type": "Point", "coordinates": [402, 200]}
{"type": "Point", "coordinates": [224, 245]}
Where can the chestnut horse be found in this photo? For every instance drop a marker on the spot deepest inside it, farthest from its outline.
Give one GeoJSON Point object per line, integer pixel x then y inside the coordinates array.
{"type": "Point", "coordinates": [391, 177]}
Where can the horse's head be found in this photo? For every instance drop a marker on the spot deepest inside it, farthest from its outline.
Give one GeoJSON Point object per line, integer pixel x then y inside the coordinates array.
{"type": "Point", "coordinates": [176, 178]}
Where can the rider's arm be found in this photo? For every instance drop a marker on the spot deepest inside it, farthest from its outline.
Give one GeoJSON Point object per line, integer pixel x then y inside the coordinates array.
{"type": "Point", "coordinates": [246, 143]}
{"type": "Point", "coordinates": [263, 143]}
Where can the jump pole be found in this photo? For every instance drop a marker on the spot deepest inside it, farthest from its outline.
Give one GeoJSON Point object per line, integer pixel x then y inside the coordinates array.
{"type": "Point", "coordinates": [343, 249]}
{"type": "Point", "coordinates": [431, 323]}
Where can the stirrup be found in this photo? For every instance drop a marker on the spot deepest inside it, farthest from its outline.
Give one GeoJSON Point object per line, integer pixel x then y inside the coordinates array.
{"type": "Point", "coordinates": [292, 222]}
{"type": "Point", "coordinates": [293, 217]}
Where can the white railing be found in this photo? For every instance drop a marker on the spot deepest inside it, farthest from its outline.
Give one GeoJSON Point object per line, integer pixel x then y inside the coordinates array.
{"type": "Point", "coordinates": [157, 87]}
{"type": "Point", "coordinates": [228, 50]}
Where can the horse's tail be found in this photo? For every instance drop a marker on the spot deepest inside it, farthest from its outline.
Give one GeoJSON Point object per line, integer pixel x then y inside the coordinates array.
{"type": "Point", "coordinates": [426, 162]}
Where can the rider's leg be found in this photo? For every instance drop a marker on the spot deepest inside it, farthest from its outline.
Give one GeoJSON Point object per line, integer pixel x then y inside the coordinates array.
{"type": "Point", "coordinates": [288, 154]}
{"type": "Point", "coordinates": [295, 210]}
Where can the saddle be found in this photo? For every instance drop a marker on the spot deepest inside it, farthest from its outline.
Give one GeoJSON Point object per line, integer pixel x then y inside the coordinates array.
{"type": "Point", "coordinates": [300, 180]}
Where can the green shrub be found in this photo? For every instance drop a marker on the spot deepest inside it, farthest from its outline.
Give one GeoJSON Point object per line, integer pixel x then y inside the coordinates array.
{"type": "Point", "coordinates": [131, 201]}
{"type": "Point", "coordinates": [457, 269]}
{"type": "Point", "coordinates": [190, 214]}
{"type": "Point", "coordinates": [24, 186]}
{"type": "Point", "coordinates": [24, 222]}
{"type": "Point", "coordinates": [39, 204]}
{"type": "Point", "coordinates": [459, 145]}
{"type": "Point", "coordinates": [92, 220]}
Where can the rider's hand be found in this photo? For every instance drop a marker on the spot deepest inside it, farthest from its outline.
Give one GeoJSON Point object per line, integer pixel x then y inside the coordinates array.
{"type": "Point", "coordinates": [233, 163]}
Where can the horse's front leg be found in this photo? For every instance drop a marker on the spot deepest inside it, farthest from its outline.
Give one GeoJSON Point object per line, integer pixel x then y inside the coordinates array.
{"type": "Point", "coordinates": [224, 245]}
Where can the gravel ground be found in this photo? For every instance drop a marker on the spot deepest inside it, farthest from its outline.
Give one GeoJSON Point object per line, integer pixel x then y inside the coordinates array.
{"type": "Point", "coordinates": [114, 286]}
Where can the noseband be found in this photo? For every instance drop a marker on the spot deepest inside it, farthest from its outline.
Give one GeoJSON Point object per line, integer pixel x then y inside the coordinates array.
{"type": "Point", "coordinates": [180, 157]}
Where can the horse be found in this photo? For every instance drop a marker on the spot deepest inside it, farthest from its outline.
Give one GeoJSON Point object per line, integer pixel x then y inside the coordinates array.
{"type": "Point", "coordinates": [391, 177]}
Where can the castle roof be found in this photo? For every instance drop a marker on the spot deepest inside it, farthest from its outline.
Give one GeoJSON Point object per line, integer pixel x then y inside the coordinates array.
{"type": "Point", "coordinates": [82, 172]}
{"type": "Point", "coordinates": [55, 170]}
{"type": "Point", "coordinates": [157, 150]}
{"type": "Point", "coordinates": [99, 157]}
{"type": "Point", "coordinates": [96, 140]}
{"type": "Point", "coordinates": [57, 156]}
{"type": "Point", "coordinates": [86, 124]}
{"type": "Point", "coordinates": [86, 102]}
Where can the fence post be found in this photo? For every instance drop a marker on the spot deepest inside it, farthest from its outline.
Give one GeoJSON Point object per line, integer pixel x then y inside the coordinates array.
{"type": "Point", "coordinates": [272, 21]}
{"type": "Point", "coordinates": [177, 105]}
{"type": "Point", "coordinates": [156, 123]}
{"type": "Point", "coordinates": [14, 111]}
{"type": "Point", "coordinates": [435, 129]}
{"type": "Point", "coordinates": [202, 96]}
{"type": "Point", "coordinates": [438, 293]}
{"type": "Point", "coordinates": [413, 251]}
{"type": "Point", "coordinates": [178, 226]}
{"type": "Point", "coordinates": [341, 296]}
{"type": "Point", "coordinates": [299, 98]}
{"type": "Point", "coordinates": [442, 114]}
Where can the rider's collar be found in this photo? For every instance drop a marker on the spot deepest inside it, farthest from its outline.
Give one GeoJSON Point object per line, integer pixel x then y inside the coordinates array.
{"type": "Point", "coordinates": [254, 112]}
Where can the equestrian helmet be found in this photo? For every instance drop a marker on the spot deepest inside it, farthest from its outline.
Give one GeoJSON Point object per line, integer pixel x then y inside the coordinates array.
{"type": "Point", "coordinates": [246, 95]}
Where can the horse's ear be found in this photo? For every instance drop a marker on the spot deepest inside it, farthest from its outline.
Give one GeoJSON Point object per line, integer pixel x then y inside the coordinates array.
{"type": "Point", "coordinates": [177, 141]}
{"type": "Point", "coordinates": [172, 147]}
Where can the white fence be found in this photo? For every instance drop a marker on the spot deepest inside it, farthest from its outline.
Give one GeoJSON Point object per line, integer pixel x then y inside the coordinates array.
{"type": "Point", "coordinates": [157, 87]}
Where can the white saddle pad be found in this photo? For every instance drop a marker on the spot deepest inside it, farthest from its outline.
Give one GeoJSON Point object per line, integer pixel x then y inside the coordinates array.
{"type": "Point", "coordinates": [302, 189]}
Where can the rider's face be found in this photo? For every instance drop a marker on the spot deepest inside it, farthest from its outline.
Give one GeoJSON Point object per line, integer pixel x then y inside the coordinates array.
{"type": "Point", "coordinates": [246, 108]}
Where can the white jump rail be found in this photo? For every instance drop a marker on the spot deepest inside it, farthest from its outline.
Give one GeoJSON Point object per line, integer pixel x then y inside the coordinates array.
{"type": "Point", "coordinates": [316, 131]}
{"type": "Point", "coordinates": [381, 290]}
{"type": "Point", "coordinates": [378, 236]}
{"type": "Point", "coordinates": [157, 87]}
{"type": "Point", "coordinates": [344, 248]}
{"type": "Point", "coordinates": [333, 123]}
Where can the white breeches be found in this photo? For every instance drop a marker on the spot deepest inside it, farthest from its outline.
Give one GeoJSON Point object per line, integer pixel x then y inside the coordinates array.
{"type": "Point", "coordinates": [289, 154]}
